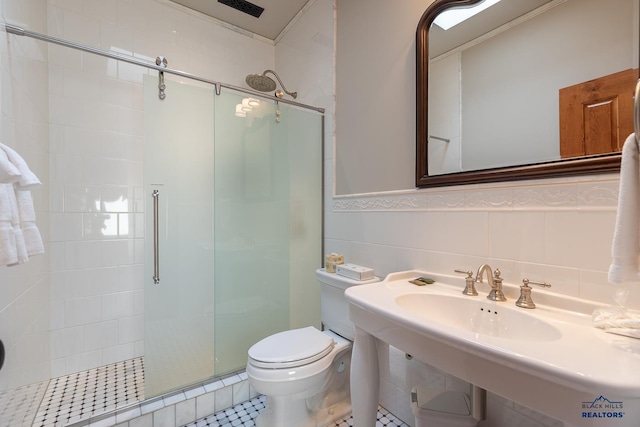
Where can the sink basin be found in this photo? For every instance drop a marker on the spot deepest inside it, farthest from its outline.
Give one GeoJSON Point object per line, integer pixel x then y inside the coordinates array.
{"type": "Point", "coordinates": [550, 359]}
{"type": "Point", "coordinates": [482, 317]}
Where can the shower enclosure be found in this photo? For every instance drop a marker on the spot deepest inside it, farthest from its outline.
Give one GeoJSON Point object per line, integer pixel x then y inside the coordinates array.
{"type": "Point", "coordinates": [180, 232]}
{"type": "Point", "coordinates": [233, 228]}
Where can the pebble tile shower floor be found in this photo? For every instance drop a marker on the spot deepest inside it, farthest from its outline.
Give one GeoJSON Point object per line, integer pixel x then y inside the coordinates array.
{"type": "Point", "coordinates": [84, 394]}
{"type": "Point", "coordinates": [79, 396]}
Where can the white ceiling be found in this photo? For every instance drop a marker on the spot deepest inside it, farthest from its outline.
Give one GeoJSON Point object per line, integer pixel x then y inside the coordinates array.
{"type": "Point", "coordinates": [277, 14]}
{"type": "Point", "coordinates": [441, 41]}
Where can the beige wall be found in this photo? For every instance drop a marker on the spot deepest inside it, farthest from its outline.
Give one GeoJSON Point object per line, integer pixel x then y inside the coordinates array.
{"type": "Point", "coordinates": [375, 95]}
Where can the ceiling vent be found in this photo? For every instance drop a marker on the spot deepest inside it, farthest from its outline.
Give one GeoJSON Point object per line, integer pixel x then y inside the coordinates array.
{"type": "Point", "coordinates": [244, 6]}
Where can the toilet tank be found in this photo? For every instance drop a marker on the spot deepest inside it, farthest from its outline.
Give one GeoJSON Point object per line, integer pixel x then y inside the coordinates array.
{"type": "Point", "coordinates": [334, 308]}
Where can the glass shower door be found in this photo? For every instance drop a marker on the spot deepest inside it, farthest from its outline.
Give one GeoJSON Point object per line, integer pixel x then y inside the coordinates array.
{"type": "Point", "coordinates": [255, 183]}
{"type": "Point", "coordinates": [268, 224]}
{"type": "Point", "coordinates": [252, 229]}
{"type": "Point", "coordinates": [178, 199]}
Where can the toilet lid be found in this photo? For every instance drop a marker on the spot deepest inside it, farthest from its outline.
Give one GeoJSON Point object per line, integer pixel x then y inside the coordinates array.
{"type": "Point", "coordinates": [291, 348]}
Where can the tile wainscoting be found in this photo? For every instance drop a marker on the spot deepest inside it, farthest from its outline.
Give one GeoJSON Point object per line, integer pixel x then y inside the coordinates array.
{"type": "Point", "coordinates": [554, 230]}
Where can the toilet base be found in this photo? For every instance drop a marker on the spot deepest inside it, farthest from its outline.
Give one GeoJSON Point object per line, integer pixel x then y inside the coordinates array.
{"type": "Point", "coordinates": [329, 416]}
{"type": "Point", "coordinates": [284, 411]}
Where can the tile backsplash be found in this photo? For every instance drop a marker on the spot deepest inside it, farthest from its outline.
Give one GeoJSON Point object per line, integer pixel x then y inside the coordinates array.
{"type": "Point", "coordinates": [558, 231]}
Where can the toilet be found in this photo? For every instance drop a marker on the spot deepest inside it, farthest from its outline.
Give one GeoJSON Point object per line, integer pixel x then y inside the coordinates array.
{"type": "Point", "coordinates": [304, 373]}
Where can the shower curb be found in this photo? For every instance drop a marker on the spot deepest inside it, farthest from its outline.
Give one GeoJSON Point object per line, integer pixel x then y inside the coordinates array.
{"type": "Point", "coordinates": [179, 408]}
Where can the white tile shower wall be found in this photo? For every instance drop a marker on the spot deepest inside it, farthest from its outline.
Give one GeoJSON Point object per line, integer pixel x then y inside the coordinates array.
{"type": "Point", "coordinates": [24, 289]}
{"type": "Point", "coordinates": [97, 134]}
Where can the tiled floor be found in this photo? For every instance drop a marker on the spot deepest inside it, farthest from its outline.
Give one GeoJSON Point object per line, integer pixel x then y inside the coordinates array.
{"type": "Point", "coordinates": [17, 406]}
{"type": "Point", "coordinates": [242, 415]}
{"type": "Point", "coordinates": [84, 394]}
{"type": "Point", "coordinates": [87, 394]}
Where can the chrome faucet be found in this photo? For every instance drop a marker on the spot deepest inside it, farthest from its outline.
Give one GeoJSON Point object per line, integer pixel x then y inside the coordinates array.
{"type": "Point", "coordinates": [494, 280]}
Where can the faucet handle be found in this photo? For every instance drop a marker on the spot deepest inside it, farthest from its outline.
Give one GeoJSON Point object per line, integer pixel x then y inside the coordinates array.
{"type": "Point", "coordinates": [468, 273]}
{"type": "Point", "coordinates": [470, 288]}
{"type": "Point", "coordinates": [525, 300]}
{"type": "Point", "coordinates": [527, 282]}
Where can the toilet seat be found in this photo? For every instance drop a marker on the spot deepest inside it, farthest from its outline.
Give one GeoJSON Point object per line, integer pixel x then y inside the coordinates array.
{"type": "Point", "coordinates": [291, 349]}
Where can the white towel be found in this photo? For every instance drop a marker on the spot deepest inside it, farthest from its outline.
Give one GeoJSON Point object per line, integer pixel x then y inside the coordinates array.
{"type": "Point", "coordinates": [8, 172]}
{"type": "Point", "coordinates": [625, 250]}
{"type": "Point", "coordinates": [19, 235]}
{"type": "Point", "coordinates": [30, 233]}
{"type": "Point", "coordinates": [21, 247]}
{"type": "Point", "coordinates": [615, 317]}
{"type": "Point", "coordinates": [8, 248]}
{"type": "Point", "coordinates": [28, 180]}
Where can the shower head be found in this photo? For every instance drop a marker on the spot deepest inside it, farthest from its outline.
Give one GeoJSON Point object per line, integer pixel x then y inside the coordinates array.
{"type": "Point", "coordinates": [263, 83]}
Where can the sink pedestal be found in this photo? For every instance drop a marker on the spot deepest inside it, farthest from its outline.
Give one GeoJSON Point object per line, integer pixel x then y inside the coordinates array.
{"type": "Point", "coordinates": [365, 391]}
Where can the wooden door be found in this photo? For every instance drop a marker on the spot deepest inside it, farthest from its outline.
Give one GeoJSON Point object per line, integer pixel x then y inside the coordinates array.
{"type": "Point", "coordinates": [597, 116]}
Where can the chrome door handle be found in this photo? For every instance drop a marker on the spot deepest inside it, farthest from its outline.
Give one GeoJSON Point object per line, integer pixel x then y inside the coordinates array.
{"type": "Point", "coordinates": [156, 248]}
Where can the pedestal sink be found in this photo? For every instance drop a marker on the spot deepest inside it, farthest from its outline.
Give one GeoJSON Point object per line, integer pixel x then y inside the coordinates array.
{"type": "Point", "coordinates": [549, 359]}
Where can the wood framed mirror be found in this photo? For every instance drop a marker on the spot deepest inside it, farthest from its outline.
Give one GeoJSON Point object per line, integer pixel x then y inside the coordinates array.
{"type": "Point", "coordinates": [550, 168]}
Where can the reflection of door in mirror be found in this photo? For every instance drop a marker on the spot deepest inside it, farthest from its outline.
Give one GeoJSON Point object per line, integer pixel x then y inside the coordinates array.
{"type": "Point", "coordinates": [597, 116]}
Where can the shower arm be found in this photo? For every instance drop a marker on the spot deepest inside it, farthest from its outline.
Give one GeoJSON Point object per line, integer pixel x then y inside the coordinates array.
{"type": "Point", "coordinates": [294, 95]}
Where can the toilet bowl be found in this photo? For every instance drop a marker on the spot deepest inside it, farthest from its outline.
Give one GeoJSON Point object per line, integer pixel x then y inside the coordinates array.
{"type": "Point", "coordinates": [304, 373]}
{"type": "Point", "coordinates": [291, 381]}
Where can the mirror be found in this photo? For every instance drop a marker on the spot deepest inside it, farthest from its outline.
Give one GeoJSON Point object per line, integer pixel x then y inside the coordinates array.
{"type": "Point", "coordinates": [493, 112]}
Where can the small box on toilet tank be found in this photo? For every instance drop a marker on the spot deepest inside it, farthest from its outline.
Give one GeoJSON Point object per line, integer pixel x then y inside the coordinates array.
{"type": "Point", "coordinates": [355, 272]}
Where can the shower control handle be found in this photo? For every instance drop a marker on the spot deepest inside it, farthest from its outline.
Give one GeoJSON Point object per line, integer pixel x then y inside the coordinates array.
{"type": "Point", "coordinates": [156, 249]}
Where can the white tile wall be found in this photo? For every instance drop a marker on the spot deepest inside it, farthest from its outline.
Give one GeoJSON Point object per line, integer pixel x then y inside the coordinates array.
{"type": "Point", "coordinates": [24, 289]}
{"type": "Point", "coordinates": [97, 131]}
